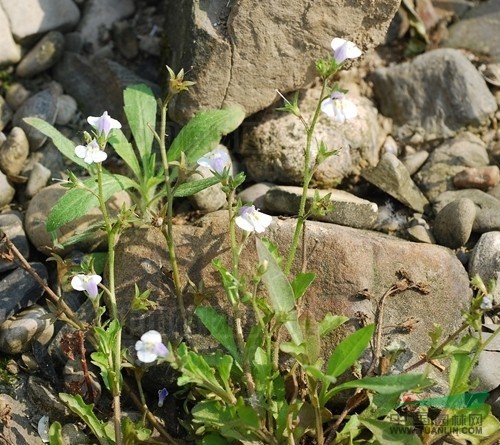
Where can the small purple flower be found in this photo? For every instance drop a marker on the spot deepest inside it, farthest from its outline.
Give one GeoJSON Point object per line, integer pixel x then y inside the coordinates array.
{"type": "Point", "coordinates": [103, 124]}
{"type": "Point", "coordinates": [251, 220]}
{"type": "Point", "coordinates": [87, 283]}
{"type": "Point", "coordinates": [162, 395]}
{"type": "Point", "coordinates": [344, 49]}
{"type": "Point", "coordinates": [216, 160]}
{"type": "Point", "coordinates": [150, 347]}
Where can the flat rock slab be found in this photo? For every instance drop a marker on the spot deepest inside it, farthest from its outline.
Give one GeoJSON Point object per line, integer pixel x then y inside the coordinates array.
{"type": "Point", "coordinates": [242, 51]}
{"type": "Point", "coordinates": [348, 210]}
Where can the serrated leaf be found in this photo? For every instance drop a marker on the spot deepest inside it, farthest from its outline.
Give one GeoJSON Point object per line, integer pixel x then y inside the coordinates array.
{"type": "Point", "coordinates": [190, 188]}
{"type": "Point", "coordinates": [218, 327]}
{"type": "Point", "coordinates": [86, 413]}
{"type": "Point", "coordinates": [125, 150]}
{"type": "Point", "coordinates": [204, 131]}
{"type": "Point", "coordinates": [77, 202]}
{"type": "Point", "coordinates": [280, 291]}
{"type": "Point", "coordinates": [301, 283]}
{"type": "Point", "coordinates": [62, 143]}
{"type": "Point", "coordinates": [140, 109]}
{"type": "Point", "coordinates": [349, 350]}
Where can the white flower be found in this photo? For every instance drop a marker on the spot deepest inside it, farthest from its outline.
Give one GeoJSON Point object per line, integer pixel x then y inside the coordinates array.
{"type": "Point", "coordinates": [344, 49]}
{"type": "Point", "coordinates": [150, 347]}
{"type": "Point", "coordinates": [91, 153]}
{"type": "Point", "coordinates": [216, 160]}
{"type": "Point", "coordinates": [86, 283]}
{"type": "Point", "coordinates": [250, 219]}
{"type": "Point", "coordinates": [339, 108]}
{"type": "Point", "coordinates": [487, 303]}
{"type": "Point", "coordinates": [103, 124]}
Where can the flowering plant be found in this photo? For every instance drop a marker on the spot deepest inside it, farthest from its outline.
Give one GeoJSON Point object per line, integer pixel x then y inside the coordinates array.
{"type": "Point", "coordinates": [246, 391]}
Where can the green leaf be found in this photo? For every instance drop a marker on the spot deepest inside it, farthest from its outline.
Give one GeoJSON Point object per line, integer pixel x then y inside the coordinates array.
{"type": "Point", "coordinates": [331, 322]}
{"type": "Point", "coordinates": [390, 433]}
{"type": "Point", "coordinates": [385, 384]}
{"type": "Point", "coordinates": [224, 365]}
{"type": "Point", "coordinates": [349, 350]}
{"type": "Point", "coordinates": [213, 439]}
{"type": "Point", "coordinates": [280, 291]}
{"type": "Point", "coordinates": [125, 150]}
{"type": "Point", "coordinates": [77, 202]}
{"type": "Point", "coordinates": [301, 283]}
{"type": "Point", "coordinates": [217, 325]}
{"type": "Point", "coordinates": [204, 131]}
{"type": "Point", "coordinates": [63, 144]}
{"type": "Point", "coordinates": [459, 373]}
{"type": "Point", "coordinates": [86, 413]}
{"type": "Point", "coordinates": [190, 188]}
{"type": "Point", "coordinates": [55, 434]}
{"type": "Point", "coordinates": [140, 108]}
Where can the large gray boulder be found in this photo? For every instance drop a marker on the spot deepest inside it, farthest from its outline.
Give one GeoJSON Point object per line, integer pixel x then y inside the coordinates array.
{"type": "Point", "coordinates": [436, 94]}
{"type": "Point", "coordinates": [243, 50]}
{"type": "Point", "coordinates": [347, 262]}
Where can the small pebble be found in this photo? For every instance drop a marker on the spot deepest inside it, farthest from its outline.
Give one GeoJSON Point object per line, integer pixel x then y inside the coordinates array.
{"type": "Point", "coordinates": [18, 332]}
{"type": "Point", "coordinates": [5, 113]}
{"type": "Point", "coordinates": [11, 223]}
{"type": "Point", "coordinates": [7, 192]}
{"type": "Point", "coordinates": [16, 95]}
{"type": "Point", "coordinates": [481, 178]}
{"type": "Point", "coordinates": [414, 161]}
{"type": "Point", "coordinates": [14, 152]}
{"type": "Point", "coordinates": [420, 234]}
{"type": "Point", "coordinates": [38, 179]}
{"type": "Point", "coordinates": [454, 222]}
{"type": "Point", "coordinates": [42, 105]}
{"type": "Point", "coordinates": [66, 109]}
{"type": "Point", "coordinates": [42, 56]}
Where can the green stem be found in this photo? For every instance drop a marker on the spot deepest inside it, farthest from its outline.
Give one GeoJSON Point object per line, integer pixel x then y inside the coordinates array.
{"type": "Point", "coordinates": [116, 356]}
{"type": "Point", "coordinates": [236, 304]}
{"type": "Point", "coordinates": [168, 229]}
{"type": "Point", "coordinates": [313, 391]}
{"type": "Point", "coordinates": [308, 173]}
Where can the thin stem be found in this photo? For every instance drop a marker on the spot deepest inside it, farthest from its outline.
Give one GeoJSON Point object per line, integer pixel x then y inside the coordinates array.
{"type": "Point", "coordinates": [167, 227]}
{"type": "Point", "coordinates": [313, 394]}
{"type": "Point", "coordinates": [236, 304]}
{"type": "Point", "coordinates": [116, 359]}
{"type": "Point", "coordinates": [301, 217]}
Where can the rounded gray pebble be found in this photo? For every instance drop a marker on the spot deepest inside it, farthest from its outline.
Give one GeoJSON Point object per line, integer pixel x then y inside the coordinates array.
{"type": "Point", "coordinates": [18, 332]}
{"type": "Point", "coordinates": [7, 192]}
{"type": "Point", "coordinates": [38, 179]}
{"type": "Point", "coordinates": [14, 152]}
{"type": "Point", "coordinates": [16, 95]}
{"type": "Point", "coordinates": [66, 109]}
{"type": "Point", "coordinates": [42, 56]}
{"type": "Point", "coordinates": [453, 224]}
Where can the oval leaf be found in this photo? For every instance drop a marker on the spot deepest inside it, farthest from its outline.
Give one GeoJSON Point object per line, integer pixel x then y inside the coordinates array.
{"type": "Point", "coordinates": [204, 131]}
{"type": "Point", "coordinates": [77, 202]}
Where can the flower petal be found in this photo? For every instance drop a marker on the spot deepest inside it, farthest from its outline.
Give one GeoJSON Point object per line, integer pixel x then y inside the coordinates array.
{"type": "Point", "coordinates": [77, 282]}
{"type": "Point", "coordinates": [81, 151]}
